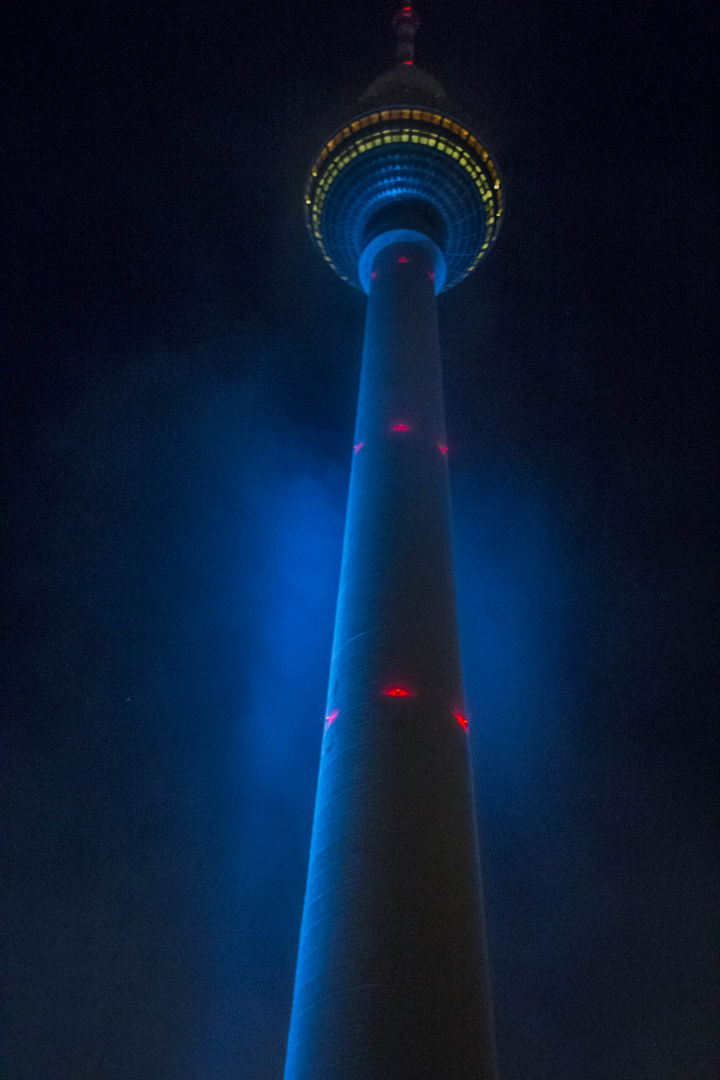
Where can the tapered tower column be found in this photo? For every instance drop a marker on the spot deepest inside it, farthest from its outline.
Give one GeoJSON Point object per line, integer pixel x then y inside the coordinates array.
{"type": "Point", "coordinates": [403, 201]}
{"type": "Point", "coordinates": [391, 977]}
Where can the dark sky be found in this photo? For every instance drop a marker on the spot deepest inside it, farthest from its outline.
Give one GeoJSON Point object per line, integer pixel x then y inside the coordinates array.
{"type": "Point", "coordinates": [181, 384]}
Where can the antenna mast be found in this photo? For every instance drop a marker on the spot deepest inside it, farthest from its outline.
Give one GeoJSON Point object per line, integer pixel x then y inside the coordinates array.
{"type": "Point", "coordinates": [406, 23]}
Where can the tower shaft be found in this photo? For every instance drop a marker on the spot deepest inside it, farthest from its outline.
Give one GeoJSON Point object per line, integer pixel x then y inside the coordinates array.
{"type": "Point", "coordinates": [391, 974]}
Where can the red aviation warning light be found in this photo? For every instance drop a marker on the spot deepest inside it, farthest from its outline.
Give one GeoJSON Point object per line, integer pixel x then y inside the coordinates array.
{"type": "Point", "coordinates": [398, 691]}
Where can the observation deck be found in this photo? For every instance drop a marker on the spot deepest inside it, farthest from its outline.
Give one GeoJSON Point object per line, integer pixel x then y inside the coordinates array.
{"type": "Point", "coordinates": [404, 162]}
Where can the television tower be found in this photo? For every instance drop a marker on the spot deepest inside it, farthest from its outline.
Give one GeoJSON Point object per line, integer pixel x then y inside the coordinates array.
{"type": "Point", "coordinates": [403, 201]}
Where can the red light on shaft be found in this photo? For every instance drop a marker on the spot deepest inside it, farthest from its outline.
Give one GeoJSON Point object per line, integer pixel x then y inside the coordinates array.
{"type": "Point", "coordinates": [461, 720]}
{"type": "Point", "coordinates": [358, 446]}
{"type": "Point", "coordinates": [443, 449]}
{"type": "Point", "coordinates": [401, 427]}
{"type": "Point", "coordinates": [398, 691]}
{"type": "Point", "coordinates": [403, 259]}
{"type": "Point", "coordinates": [330, 717]}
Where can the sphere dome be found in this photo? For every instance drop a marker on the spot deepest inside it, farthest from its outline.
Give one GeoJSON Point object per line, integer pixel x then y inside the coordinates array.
{"type": "Point", "coordinates": [404, 162]}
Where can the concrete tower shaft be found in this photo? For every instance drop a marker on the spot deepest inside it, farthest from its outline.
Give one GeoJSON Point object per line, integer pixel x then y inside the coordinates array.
{"type": "Point", "coordinates": [391, 974]}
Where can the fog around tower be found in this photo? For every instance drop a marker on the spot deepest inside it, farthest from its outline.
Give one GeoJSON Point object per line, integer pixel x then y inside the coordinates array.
{"type": "Point", "coordinates": [182, 382]}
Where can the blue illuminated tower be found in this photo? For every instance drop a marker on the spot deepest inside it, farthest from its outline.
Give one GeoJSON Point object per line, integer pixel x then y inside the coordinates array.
{"type": "Point", "coordinates": [403, 201]}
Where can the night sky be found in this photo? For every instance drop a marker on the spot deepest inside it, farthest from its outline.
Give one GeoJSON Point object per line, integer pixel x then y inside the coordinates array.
{"type": "Point", "coordinates": [182, 376]}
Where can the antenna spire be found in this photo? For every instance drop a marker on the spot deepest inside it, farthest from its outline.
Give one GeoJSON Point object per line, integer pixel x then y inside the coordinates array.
{"type": "Point", "coordinates": [406, 23]}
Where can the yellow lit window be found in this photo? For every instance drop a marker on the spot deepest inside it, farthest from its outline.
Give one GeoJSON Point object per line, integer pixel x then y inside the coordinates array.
{"type": "Point", "coordinates": [385, 115]}
{"type": "Point", "coordinates": [374, 117]}
{"type": "Point", "coordinates": [405, 113]}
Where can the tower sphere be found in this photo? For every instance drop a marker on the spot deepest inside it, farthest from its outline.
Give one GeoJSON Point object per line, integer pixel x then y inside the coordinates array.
{"type": "Point", "coordinates": [402, 165]}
